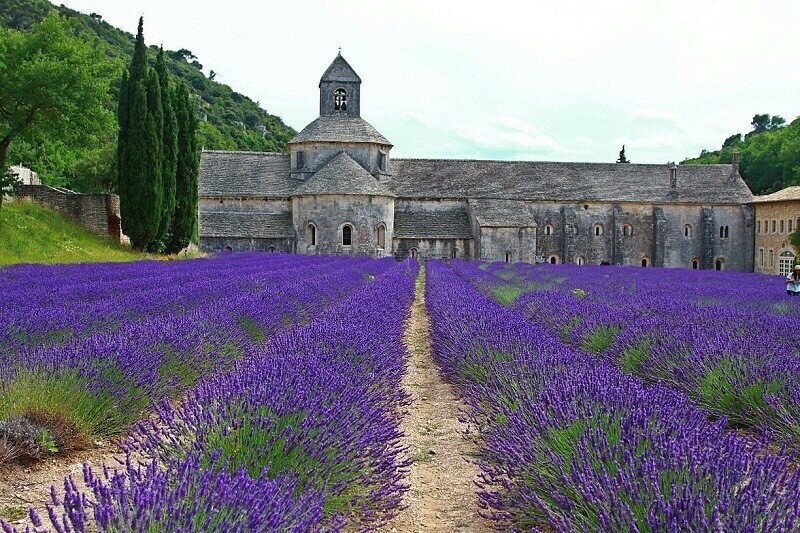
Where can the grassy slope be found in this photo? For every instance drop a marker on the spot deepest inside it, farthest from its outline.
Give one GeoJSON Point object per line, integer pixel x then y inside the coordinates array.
{"type": "Point", "coordinates": [30, 233]}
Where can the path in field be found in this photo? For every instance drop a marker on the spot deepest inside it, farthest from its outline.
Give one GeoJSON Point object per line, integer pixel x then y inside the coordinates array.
{"type": "Point", "coordinates": [25, 485]}
{"type": "Point", "coordinates": [442, 494]}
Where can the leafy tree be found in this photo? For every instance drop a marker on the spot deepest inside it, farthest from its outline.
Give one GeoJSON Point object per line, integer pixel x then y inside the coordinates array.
{"type": "Point", "coordinates": [184, 221]}
{"type": "Point", "coordinates": [170, 147]}
{"type": "Point", "coordinates": [760, 122]}
{"type": "Point", "coordinates": [733, 140]}
{"type": "Point", "coordinates": [53, 85]}
{"type": "Point", "coordinates": [9, 182]}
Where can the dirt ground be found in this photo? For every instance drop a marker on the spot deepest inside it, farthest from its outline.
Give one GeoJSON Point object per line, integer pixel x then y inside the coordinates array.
{"type": "Point", "coordinates": [23, 486]}
{"type": "Point", "coordinates": [442, 496]}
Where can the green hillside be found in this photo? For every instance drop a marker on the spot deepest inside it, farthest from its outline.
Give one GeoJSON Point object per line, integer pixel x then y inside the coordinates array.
{"type": "Point", "coordinates": [34, 234]}
{"type": "Point", "coordinates": [769, 155]}
{"type": "Point", "coordinates": [228, 120]}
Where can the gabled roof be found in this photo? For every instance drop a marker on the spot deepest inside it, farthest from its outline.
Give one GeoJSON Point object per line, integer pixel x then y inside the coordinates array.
{"type": "Point", "coordinates": [559, 182]}
{"type": "Point", "coordinates": [240, 174]}
{"type": "Point", "coordinates": [340, 70]}
{"type": "Point", "coordinates": [342, 175]}
{"type": "Point", "coordinates": [784, 195]}
{"type": "Point", "coordinates": [249, 224]}
{"type": "Point", "coordinates": [340, 129]}
{"type": "Point", "coordinates": [418, 223]}
{"type": "Point", "coordinates": [503, 213]}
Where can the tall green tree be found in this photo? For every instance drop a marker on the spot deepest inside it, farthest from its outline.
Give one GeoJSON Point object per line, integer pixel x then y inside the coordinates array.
{"type": "Point", "coordinates": [184, 221]}
{"type": "Point", "coordinates": [52, 84]}
{"type": "Point", "coordinates": [139, 156]}
{"type": "Point", "coordinates": [170, 148]}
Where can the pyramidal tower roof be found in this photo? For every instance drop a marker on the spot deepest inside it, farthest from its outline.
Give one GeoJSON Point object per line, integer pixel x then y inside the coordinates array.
{"type": "Point", "coordinates": [340, 70]}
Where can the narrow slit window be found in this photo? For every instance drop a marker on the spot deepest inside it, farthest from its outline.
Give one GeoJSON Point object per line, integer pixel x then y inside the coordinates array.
{"type": "Point", "coordinates": [347, 235]}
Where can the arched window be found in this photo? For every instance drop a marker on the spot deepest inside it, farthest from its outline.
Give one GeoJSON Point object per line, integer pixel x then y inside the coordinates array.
{"type": "Point", "coordinates": [791, 225]}
{"type": "Point", "coordinates": [413, 253]}
{"type": "Point", "coordinates": [598, 230]}
{"type": "Point", "coordinates": [759, 226]}
{"type": "Point", "coordinates": [774, 226]}
{"type": "Point", "coordinates": [454, 253]}
{"type": "Point", "coordinates": [786, 263]}
{"type": "Point", "coordinates": [553, 260]}
{"type": "Point", "coordinates": [695, 263]}
{"type": "Point", "coordinates": [580, 260]}
{"type": "Point", "coordinates": [340, 100]}
{"type": "Point", "coordinates": [772, 258]}
{"type": "Point", "coordinates": [272, 249]}
{"type": "Point", "coordinates": [721, 232]}
{"type": "Point", "coordinates": [687, 231]}
{"type": "Point", "coordinates": [228, 249]}
{"type": "Point", "coordinates": [727, 234]}
{"type": "Point", "coordinates": [719, 264]}
{"type": "Point", "coordinates": [627, 230]}
{"type": "Point", "coordinates": [761, 256]}
{"type": "Point", "coordinates": [783, 226]}
{"type": "Point", "coordinates": [508, 257]}
{"type": "Point", "coordinates": [347, 235]}
{"type": "Point", "coordinates": [381, 236]}
{"type": "Point", "coordinates": [311, 234]}
{"type": "Point", "coordinates": [645, 262]}
{"type": "Point", "coordinates": [548, 230]}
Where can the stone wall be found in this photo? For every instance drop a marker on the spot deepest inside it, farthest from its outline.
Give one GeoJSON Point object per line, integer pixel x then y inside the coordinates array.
{"type": "Point", "coordinates": [769, 243]}
{"type": "Point", "coordinates": [425, 249]}
{"type": "Point", "coordinates": [330, 213]}
{"type": "Point", "coordinates": [99, 213]}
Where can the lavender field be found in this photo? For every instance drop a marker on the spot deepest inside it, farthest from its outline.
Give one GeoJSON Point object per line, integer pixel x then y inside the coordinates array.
{"type": "Point", "coordinates": [262, 392]}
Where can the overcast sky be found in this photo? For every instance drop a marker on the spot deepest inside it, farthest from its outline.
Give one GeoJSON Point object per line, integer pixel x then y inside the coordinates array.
{"type": "Point", "coordinates": [565, 80]}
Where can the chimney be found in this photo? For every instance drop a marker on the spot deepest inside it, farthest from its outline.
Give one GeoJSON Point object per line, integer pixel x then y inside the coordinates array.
{"type": "Point", "coordinates": [735, 162]}
{"type": "Point", "coordinates": [673, 176]}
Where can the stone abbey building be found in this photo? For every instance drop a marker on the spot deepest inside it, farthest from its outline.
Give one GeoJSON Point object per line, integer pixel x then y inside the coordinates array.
{"type": "Point", "coordinates": [338, 191]}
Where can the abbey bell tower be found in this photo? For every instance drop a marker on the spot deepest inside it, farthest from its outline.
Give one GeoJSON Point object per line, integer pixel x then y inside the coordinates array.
{"type": "Point", "coordinates": [340, 90]}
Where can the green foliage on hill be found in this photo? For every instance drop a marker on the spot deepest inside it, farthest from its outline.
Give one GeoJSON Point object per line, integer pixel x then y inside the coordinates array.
{"type": "Point", "coordinates": [34, 234]}
{"type": "Point", "coordinates": [227, 120]}
{"type": "Point", "coordinates": [769, 155]}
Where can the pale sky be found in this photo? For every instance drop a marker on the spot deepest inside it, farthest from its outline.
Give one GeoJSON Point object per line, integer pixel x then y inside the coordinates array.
{"type": "Point", "coordinates": [556, 80]}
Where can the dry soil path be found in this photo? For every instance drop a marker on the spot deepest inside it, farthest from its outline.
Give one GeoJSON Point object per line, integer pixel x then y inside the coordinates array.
{"type": "Point", "coordinates": [441, 478]}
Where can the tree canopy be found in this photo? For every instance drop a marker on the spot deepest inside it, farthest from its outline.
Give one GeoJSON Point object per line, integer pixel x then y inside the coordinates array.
{"type": "Point", "coordinates": [769, 154]}
{"type": "Point", "coordinates": [227, 119]}
{"type": "Point", "coordinates": [54, 85]}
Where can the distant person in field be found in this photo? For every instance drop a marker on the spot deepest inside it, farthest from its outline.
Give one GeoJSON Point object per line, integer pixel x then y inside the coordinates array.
{"type": "Point", "coordinates": [793, 282]}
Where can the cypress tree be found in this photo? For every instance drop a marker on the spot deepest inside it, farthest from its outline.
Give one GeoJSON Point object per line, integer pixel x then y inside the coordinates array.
{"type": "Point", "coordinates": [169, 147]}
{"type": "Point", "coordinates": [184, 222]}
{"type": "Point", "coordinates": [155, 158]}
{"type": "Point", "coordinates": [139, 149]}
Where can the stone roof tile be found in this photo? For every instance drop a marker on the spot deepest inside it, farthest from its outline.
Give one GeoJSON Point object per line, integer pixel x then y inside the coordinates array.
{"type": "Point", "coordinates": [546, 181]}
{"type": "Point", "coordinates": [239, 174]}
{"type": "Point", "coordinates": [342, 175]}
{"type": "Point", "coordinates": [784, 195]}
{"type": "Point", "coordinates": [340, 70]}
{"type": "Point", "coordinates": [246, 224]}
{"type": "Point", "coordinates": [340, 128]}
{"type": "Point", "coordinates": [417, 223]}
{"type": "Point", "coordinates": [503, 213]}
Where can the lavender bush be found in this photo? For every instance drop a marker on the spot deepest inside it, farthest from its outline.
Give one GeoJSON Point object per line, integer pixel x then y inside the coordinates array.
{"type": "Point", "coordinates": [569, 442]}
{"type": "Point", "coordinates": [729, 340]}
{"type": "Point", "coordinates": [301, 434]}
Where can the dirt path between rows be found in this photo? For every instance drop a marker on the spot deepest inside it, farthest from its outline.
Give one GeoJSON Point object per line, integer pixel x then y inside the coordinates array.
{"type": "Point", "coordinates": [442, 496]}
{"type": "Point", "coordinates": [23, 486]}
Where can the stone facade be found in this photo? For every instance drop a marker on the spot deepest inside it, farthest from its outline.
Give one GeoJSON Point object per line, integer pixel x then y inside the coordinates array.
{"type": "Point", "coordinates": [338, 185]}
{"type": "Point", "coordinates": [777, 216]}
{"type": "Point", "coordinates": [99, 213]}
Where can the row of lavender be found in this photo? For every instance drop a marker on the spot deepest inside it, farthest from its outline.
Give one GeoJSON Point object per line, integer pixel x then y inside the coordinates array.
{"type": "Point", "coordinates": [100, 380]}
{"type": "Point", "coordinates": [569, 442]}
{"type": "Point", "coordinates": [303, 435]}
{"type": "Point", "coordinates": [729, 340]}
{"type": "Point", "coordinates": [46, 304]}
